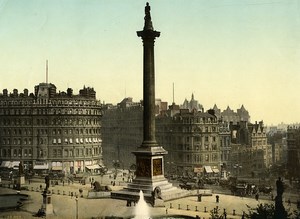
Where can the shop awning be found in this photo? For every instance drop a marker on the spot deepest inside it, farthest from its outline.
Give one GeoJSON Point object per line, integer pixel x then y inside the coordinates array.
{"type": "Point", "coordinates": [198, 169]}
{"type": "Point", "coordinates": [41, 167]}
{"type": "Point", "coordinates": [215, 170]}
{"type": "Point", "coordinates": [208, 169]}
{"type": "Point", "coordinates": [6, 164]}
{"type": "Point", "coordinates": [93, 167]}
{"type": "Point", "coordinates": [57, 168]}
{"type": "Point", "coordinates": [10, 164]}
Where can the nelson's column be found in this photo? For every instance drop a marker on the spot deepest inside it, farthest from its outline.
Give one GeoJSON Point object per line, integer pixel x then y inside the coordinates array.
{"type": "Point", "coordinates": [149, 156]}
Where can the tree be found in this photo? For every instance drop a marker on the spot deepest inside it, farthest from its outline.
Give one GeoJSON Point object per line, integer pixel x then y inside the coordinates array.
{"type": "Point", "coordinates": [262, 211]}
{"type": "Point", "coordinates": [267, 211]}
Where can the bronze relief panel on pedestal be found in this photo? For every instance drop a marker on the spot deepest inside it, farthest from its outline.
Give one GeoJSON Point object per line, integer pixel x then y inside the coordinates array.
{"type": "Point", "coordinates": [143, 167]}
{"type": "Point", "coordinates": [157, 167]}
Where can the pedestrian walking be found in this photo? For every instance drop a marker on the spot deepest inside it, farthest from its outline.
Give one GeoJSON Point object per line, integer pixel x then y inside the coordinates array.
{"type": "Point", "coordinates": [217, 198]}
{"type": "Point", "coordinates": [225, 215]}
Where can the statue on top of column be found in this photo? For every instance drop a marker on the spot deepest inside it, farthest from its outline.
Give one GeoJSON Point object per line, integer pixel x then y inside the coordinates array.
{"type": "Point", "coordinates": [147, 11]}
{"type": "Point", "coordinates": [148, 22]}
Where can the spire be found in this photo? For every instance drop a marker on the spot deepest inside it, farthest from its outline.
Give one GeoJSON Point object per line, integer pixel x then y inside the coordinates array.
{"type": "Point", "coordinates": [46, 71]}
{"type": "Point", "coordinates": [173, 94]}
{"type": "Point", "coordinates": [148, 22]}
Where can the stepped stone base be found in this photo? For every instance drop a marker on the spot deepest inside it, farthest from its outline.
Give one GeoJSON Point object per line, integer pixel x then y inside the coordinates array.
{"type": "Point", "coordinates": [168, 191]}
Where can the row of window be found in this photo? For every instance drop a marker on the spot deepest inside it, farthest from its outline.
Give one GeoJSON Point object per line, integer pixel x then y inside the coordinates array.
{"type": "Point", "coordinates": [51, 103]}
{"type": "Point", "coordinates": [194, 120]}
{"type": "Point", "coordinates": [54, 131]}
{"type": "Point", "coordinates": [24, 121]}
{"type": "Point", "coordinates": [225, 142]}
{"type": "Point", "coordinates": [76, 152]}
{"type": "Point", "coordinates": [198, 147]}
{"type": "Point", "coordinates": [28, 141]}
{"type": "Point", "coordinates": [17, 141]}
{"type": "Point", "coordinates": [225, 156]}
{"type": "Point", "coordinates": [77, 140]}
{"type": "Point", "coordinates": [51, 111]}
{"type": "Point", "coordinates": [16, 152]}
{"type": "Point", "coordinates": [55, 152]}
{"type": "Point", "coordinates": [188, 139]}
{"type": "Point", "coordinates": [200, 138]}
{"type": "Point", "coordinates": [196, 158]}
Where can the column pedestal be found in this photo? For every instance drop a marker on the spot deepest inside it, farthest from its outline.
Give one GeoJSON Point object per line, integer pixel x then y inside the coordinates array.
{"type": "Point", "coordinates": [47, 206]}
{"type": "Point", "coordinates": [20, 182]}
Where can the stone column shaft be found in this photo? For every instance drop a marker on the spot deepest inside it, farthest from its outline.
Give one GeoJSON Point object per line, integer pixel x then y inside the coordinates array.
{"type": "Point", "coordinates": [149, 92]}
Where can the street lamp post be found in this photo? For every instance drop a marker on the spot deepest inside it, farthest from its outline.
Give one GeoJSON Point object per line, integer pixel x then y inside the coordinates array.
{"type": "Point", "coordinates": [76, 199]}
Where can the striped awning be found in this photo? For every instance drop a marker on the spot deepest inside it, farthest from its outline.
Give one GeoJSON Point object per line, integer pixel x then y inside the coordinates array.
{"type": "Point", "coordinates": [208, 169]}
{"type": "Point", "coordinates": [215, 170]}
{"type": "Point", "coordinates": [10, 164]}
{"type": "Point", "coordinates": [40, 167]}
{"type": "Point", "coordinates": [57, 168]}
{"type": "Point", "coordinates": [93, 167]}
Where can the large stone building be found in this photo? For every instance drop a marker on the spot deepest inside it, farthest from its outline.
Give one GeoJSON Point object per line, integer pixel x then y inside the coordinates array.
{"type": "Point", "coordinates": [293, 151]}
{"type": "Point", "coordinates": [225, 147]}
{"type": "Point", "coordinates": [192, 140]}
{"type": "Point", "coordinates": [277, 138]}
{"type": "Point", "coordinates": [196, 141]}
{"type": "Point", "coordinates": [51, 131]}
{"type": "Point", "coordinates": [251, 153]}
{"type": "Point", "coordinates": [122, 132]}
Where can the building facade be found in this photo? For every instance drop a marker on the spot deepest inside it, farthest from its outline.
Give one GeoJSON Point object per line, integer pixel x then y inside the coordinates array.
{"type": "Point", "coordinates": [251, 153]}
{"type": "Point", "coordinates": [122, 132]}
{"type": "Point", "coordinates": [192, 141]}
{"type": "Point", "coordinates": [51, 131]}
{"type": "Point", "coordinates": [225, 147]}
{"type": "Point", "coordinates": [293, 151]}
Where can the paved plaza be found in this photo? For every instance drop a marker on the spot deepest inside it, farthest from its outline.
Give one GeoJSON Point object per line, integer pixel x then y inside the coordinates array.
{"type": "Point", "coordinates": [65, 205]}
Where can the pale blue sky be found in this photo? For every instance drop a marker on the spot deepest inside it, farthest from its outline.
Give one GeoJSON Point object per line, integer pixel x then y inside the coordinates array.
{"type": "Point", "coordinates": [228, 52]}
